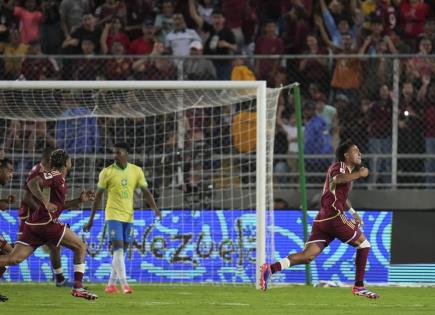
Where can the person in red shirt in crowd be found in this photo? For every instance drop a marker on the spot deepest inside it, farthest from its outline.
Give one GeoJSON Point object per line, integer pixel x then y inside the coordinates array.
{"type": "Point", "coordinates": [38, 68]}
{"type": "Point", "coordinates": [268, 44]}
{"type": "Point", "coordinates": [87, 68]}
{"type": "Point", "coordinates": [119, 67]}
{"type": "Point", "coordinates": [143, 45]}
{"type": "Point", "coordinates": [30, 20]}
{"type": "Point", "coordinates": [413, 14]}
{"type": "Point", "coordinates": [113, 31]}
{"type": "Point", "coordinates": [314, 69]}
{"type": "Point", "coordinates": [109, 9]}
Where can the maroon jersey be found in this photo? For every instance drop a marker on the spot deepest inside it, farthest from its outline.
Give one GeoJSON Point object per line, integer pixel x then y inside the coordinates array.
{"type": "Point", "coordinates": [334, 196]}
{"type": "Point", "coordinates": [24, 210]}
{"type": "Point", "coordinates": [53, 184]}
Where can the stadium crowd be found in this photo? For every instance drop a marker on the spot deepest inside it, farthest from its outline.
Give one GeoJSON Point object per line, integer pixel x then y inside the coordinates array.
{"type": "Point", "coordinates": [343, 97]}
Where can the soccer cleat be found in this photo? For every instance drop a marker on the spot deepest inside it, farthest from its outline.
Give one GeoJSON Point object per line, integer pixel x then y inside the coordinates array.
{"type": "Point", "coordinates": [83, 293]}
{"type": "Point", "coordinates": [64, 283]}
{"type": "Point", "coordinates": [111, 289]}
{"type": "Point", "coordinates": [361, 291]}
{"type": "Point", "coordinates": [266, 273]}
{"type": "Point", "coordinates": [127, 290]}
{"type": "Point", "coordinates": [3, 298]}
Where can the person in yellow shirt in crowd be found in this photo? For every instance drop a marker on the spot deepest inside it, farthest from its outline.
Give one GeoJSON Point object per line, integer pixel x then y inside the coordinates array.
{"type": "Point", "coordinates": [119, 180]}
{"type": "Point", "coordinates": [12, 51]}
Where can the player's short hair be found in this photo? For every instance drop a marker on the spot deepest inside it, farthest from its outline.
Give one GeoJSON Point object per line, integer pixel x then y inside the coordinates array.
{"type": "Point", "coordinates": [58, 158]}
{"type": "Point", "coordinates": [5, 161]}
{"type": "Point", "coordinates": [46, 153]}
{"type": "Point", "coordinates": [342, 150]}
{"type": "Point", "coordinates": [122, 145]}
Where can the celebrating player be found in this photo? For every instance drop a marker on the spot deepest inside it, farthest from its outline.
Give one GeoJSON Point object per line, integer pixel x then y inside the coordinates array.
{"type": "Point", "coordinates": [120, 181]}
{"type": "Point", "coordinates": [29, 204]}
{"type": "Point", "coordinates": [6, 172]}
{"type": "Point", "coordinates": [43, 225]}
{"type": "Point", "coordinates": [331, 222]}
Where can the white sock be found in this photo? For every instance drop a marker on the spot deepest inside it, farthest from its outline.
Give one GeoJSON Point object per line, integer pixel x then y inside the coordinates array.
{"type": "Point", "coordinates": [118, 264]}
{"type": "Point", "coordinates": [58, 271]}
{"type": "Point", "coordinates": [113, 276]}
{"type": "Point", "coordinates": [285, 263]}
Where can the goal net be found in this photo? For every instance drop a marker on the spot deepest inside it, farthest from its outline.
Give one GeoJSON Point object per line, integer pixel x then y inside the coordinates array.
{"type": "Point", "coordinates": [207, 152]}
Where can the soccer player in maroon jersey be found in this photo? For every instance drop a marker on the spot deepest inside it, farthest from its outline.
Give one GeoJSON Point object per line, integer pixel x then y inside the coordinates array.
{"type": "Point", "coordinates": [43, 225]}
{"type": "Point", "coordinates": [29, 204]}
{"type": "Point", "coordinates": [6, 172]}
{"type": "Point", "coordinates": [331, 222]}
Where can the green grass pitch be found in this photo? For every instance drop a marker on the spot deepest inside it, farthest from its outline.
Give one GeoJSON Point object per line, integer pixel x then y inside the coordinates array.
{"type": "Point", "coordinates": [201, 299]}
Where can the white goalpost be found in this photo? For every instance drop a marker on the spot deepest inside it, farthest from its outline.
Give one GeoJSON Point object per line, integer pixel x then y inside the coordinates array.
{"type": "Point", "coordinates": [206, 148]}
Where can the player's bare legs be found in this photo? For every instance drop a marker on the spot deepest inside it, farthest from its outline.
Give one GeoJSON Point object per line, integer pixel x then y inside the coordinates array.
{"type": "Point", "coordinates": [362, 246]}
{"type": "Point", "coordinates": [5, 248]}
{"type": "Point", "coordinates": [56, 264]}
{"type": "Point", "coordinates": [73, 242]}
{"type": "Point", "coordinates": [308, 254]}
{"type": "Point", "coordinates": [19, 253]}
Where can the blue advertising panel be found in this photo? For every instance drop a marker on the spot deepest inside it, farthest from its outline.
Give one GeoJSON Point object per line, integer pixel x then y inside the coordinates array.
{"type": "Point", "coordinates": [204, 246]}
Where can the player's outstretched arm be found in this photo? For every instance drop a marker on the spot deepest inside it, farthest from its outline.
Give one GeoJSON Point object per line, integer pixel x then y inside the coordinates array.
{"type": "Point", "coordinates": [346, 178]}
{"type": "Point", "coordinates": [149, 199]}
{"type": "Point", "coordinates": [95, 206]}
{"type": "Point", "coordinates": [34, 186]}
{"type": "Point", "coordinates": [85, 195]}
{"type": "Point", "coordinates": [5, 203]}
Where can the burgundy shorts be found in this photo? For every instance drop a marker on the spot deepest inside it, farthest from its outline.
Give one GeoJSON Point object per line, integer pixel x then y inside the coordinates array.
{"type": "Point", "coordinates": [21, 227]}
{"type": "Point", "coordinates": [324, 232]}
{"type": "Point", "coordinates": [38, 235]}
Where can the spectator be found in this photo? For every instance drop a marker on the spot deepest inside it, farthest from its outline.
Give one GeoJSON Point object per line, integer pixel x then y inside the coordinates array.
{"type": "Point", "coordinates": [429, 30]}
{"type": "Point", "coordinates": [221, 40]}
{"type": "Point", "coordinates": [30, 20]}
{"type": "Point", "coordinates": [163, 22]}
{"type": "Point", "coordinates": [286, 124]}
{"type": "Point", "coordinates": [234, 12]}
{"type": "Point", "coordinates": [88, 30]}
{"type": "Point", "coordinates": [388, 13]}
{"type": "Point", "coordinates": [87, 68]}
{"type": "Point", "coordinates": [71, 14]}
{"type": "Point", "coordinates": [397, 36]}
{"type": "Point", "coordinates": [77, 135]}
{"type": "Point", "coordinates": [198, 68]}
{"type": "Point", "coordinates": [35, 68]}
{"type": "Point", "coordinates": [268, 44]}
{"type": "Point", "coordinates": [413, 14]}
{"type": "Point", "coordinates": [373, 41]}
{"type": "Point", "coordinates": [139, 66]}
{"type": "Point", "coordinates": [5, 22]}
{"type": "Point", "coordinates": [205, 9]}
{"type": "Point", "coordinates": [410, 129]}
{"type": "Point", "coordinates": [427, 95]}
{"type": "Point", "coordinates": [296, 26]}
{"type": "Point", "coordinates": [161, 69]}
{"type": "Point", "coordinates": [14, 49]}
{"type": "Point", "coordinates": [178, 41]}
{"type": "Point", "coordinates": [109, 9]}
{"type": "Point", "coordinates": [241, 72]}
{"type": "Point", "coordinates": [422, 64]}
{"type": "Point", "coordinates": [347, 114]}
{"type": "Point", "coordinates": [119, 67]}
{"type": "Point", "coordinates": [313, 70]}
{"type": "Point", "coordinates": [139, 12]}
{"type": "Point", "coordinates": [346, 78]}
{"type": "Point", "coordinates": [143, 45]}
{"type": "Point", "coordinates": [51, 34]}
{"type": "Point", "coordinates": [337, 30]}
{"type": "Point", "coordinates": [379, 128]}
{"type": "Point", "coordinates": [113, 31]}
{"type": "Point", "coordinates": [317, 139]}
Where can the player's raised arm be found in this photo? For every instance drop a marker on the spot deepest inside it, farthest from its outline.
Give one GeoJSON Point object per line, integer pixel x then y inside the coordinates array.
{"type": "Point", "coordinates": [346, 178]}
{"type": "Point", "coordinates": [85, 196]}
{"type": "Point", "coordinates": [34, 186]}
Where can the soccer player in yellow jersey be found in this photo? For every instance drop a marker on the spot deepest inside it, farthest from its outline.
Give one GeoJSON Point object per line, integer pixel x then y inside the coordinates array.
{"type": "Point", "coordinates": [120, 180]}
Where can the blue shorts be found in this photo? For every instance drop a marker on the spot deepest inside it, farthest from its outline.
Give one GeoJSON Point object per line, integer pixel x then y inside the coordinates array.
{"type": "Point", "coordinates": [120, 231]}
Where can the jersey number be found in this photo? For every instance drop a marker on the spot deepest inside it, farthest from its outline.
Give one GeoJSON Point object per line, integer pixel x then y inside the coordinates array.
{"type": "Point", "coordinates": [124, 194]}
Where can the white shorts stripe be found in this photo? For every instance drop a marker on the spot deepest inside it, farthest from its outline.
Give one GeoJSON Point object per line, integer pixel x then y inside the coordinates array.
{"type": "Point", "coordinates": [63, 234]}
{"type": "Point", "coordinates": [20, 242]}
{"type": "Point", "coordinates": [354, 234]}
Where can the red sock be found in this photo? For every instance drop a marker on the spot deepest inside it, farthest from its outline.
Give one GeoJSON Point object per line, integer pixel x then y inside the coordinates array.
{"type": "Point", "coordinates": [78, 279]}
{"type": "Point", "coordinates": [360, 264]}
{"type": "Point", "coordinates": [275, 267]}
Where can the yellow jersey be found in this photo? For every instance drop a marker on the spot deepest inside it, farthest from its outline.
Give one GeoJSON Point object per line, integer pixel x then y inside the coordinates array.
{"type": "Point", "coordinates": [120, 185]}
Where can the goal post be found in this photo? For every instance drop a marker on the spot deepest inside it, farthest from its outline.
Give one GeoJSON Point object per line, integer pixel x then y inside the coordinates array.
{"type": "Point", "coordinates": [124, 110]}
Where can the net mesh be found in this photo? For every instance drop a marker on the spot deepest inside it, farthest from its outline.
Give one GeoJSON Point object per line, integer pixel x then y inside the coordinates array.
{"type": "Point", "coordinates": [197, 148]}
